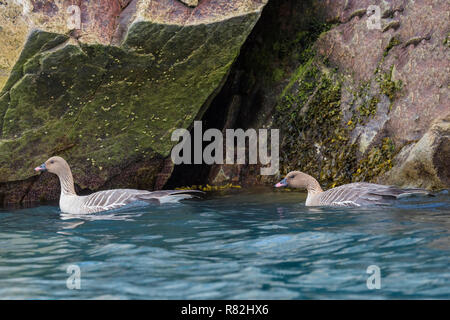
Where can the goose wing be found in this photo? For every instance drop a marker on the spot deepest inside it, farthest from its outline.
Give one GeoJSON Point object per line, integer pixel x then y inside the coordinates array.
{"type": "Point", "coordinates": [346, 195]}
{"type": "Point", "coordinates": [363, 194]}
{"type": "Point", "coordinates": [166, 196]}
{"type": "Point", "coordinates": [117, 198]}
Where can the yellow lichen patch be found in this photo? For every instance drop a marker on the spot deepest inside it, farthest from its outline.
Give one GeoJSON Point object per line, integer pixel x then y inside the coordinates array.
{"type": "Point", "coordinates": [376, 162]}
{"type": "Point", "coordinates": [208, 187]}
{"type": "Point", "coordinates": [13, 33]}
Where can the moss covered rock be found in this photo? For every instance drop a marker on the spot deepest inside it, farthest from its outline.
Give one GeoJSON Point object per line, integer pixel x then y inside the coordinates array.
{"type": "Point", "coordinates": [350, 102]}
{"type": "Point", "coordinates": [104, 107]}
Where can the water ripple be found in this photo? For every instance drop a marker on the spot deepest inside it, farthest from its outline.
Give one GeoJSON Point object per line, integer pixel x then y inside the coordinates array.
{"type": "Point", "coordinates": [242, 246]}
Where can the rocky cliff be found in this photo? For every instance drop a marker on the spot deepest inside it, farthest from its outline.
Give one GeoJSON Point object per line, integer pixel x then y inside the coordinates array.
{"type": "Point", "coordinates": [107, 90]}
{"type": "Point", "coordinates": [352, 102]}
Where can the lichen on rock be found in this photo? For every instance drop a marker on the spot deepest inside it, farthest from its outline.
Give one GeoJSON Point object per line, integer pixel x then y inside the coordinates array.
{"type": "Point", "coordinates": [350, 101]}
{"type": "Point", "coordinates": [104, 107]}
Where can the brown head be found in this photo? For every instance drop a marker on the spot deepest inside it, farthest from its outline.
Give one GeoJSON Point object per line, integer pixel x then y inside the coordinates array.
{"type": "Point", "coordinates": [56, 165]}
{"type": "Point", "coordinates": [299, 180]}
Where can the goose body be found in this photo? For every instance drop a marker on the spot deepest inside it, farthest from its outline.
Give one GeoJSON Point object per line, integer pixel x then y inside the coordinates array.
{"type": "Point", "coordinates": [349, 195]}
{"type": "Point", "coordinates": [70, 202]}
{"type": "Point", "coordinates": [117, 198]}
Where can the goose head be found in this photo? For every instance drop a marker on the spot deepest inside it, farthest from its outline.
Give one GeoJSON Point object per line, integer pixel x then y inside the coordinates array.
{"type": "Point", "coordinates": [294, 179]}
{"type": "Point", "coordinates": [299, 180]}
{"type": "Point", "coordinates": [56, 165]}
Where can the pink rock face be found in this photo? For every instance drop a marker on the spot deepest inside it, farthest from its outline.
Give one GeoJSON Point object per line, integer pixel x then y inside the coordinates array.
{"type": "Point", "coordinates": [410, 50]}
{"type": "Point", "coordinates": [48, 7]}
{"type": "Point", "coordinates": [100, 19]}
{"type": "Point", "coordinates": [100, 16]}
{"type": "Point", "coordinates": [420, 61]}
{"type": "Point", "coordinates": [97, 16]}
{"type": "Point", "coordinates": [425, 163]}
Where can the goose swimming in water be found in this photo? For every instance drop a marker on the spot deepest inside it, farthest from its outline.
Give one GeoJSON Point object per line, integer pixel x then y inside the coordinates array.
{"type": "Point", "coordinates": [70, 202]}
{"type": "Point", "coordinates": [349, 195]}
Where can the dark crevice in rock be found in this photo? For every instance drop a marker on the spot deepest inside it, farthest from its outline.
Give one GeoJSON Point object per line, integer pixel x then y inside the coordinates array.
{"type": "Point", "coordinates": [392, 25]}
{"type": "Point", "coordinates": [441, 159]}
{"type": "Point", "coordinates": [390, 13]}
{"type": "Point", "coordinates": [213, 116]}
{"type": "Point", "coordinates": [247, 97]}
{"type": "Point", "coordinates": [10, 194]}
{"type": "Point", "coordinates": [30, 186]}
{"type": "Point", "coordinates": [416, 40]}
{"type": "Point", "coordinates": [357, 13]}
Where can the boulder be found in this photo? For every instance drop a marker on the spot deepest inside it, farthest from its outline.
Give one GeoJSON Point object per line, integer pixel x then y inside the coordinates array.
{"type": "Point", "coordinates": [108, 94]}
{"type": "Point", "coordinates": [425, 163]}
{"type": "Point", "coordinates": [353, 103]}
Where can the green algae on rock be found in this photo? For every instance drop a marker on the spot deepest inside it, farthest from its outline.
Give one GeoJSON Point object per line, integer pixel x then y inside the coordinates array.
{"type": "Point", "coordinates": [113, 105]}
{"type": "Point", "coordinates": [313, 137]}
{"type": "Point", "coordinates": [391, 90]}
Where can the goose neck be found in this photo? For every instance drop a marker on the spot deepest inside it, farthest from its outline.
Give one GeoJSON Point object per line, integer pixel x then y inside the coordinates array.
{"type": "Point", "coordinates": [67, 185]}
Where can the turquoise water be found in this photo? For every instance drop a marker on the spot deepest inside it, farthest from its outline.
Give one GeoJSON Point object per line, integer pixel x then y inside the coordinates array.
{"type": "Point", "coordinates": [248, 245]}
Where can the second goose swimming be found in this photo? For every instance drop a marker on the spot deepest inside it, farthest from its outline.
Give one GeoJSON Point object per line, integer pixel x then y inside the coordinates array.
{"type": "Point", "coordinates": [348, 195]}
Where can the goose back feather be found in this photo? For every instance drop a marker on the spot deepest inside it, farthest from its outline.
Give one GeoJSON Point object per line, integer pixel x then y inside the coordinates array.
{"type": "Point", "coordinates": [363, 194]}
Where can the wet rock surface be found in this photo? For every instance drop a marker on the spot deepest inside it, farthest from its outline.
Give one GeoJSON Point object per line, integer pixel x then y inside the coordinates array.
{"type": "Point", "coordinates": [352, 103]}
{"type": "Point", "coordinates": [426, 162]}
{"type": "Point", "coordinates": [348, 100]}
{"type": "Point", "coordinates": [109, 95]}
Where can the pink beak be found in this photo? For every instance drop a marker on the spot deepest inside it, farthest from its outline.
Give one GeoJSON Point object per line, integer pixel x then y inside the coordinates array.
{"type": "Point", "coordinates": [282, 183]}
{"type": "Point", "coordinates": [42, 167]}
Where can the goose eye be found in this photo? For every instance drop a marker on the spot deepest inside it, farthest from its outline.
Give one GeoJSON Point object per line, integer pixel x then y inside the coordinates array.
{"type": "Point", "coordinates": [52, 161]}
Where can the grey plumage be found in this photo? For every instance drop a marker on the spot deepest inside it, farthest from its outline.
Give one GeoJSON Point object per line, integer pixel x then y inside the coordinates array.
{"type": "Point", "coordinates": [70, 202]}
{"type": "Point", "coordinates": [117, 198]}
{"type": "Point", "coordinates": [349, 195]}
{"type": "Point", "coordinates": [363, 194]}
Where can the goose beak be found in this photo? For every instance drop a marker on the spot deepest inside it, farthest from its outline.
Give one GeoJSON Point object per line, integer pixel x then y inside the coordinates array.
{"type": "Point", "coordinates": [42, 167]}
{"type": "Point", "coordinates": [282, 183]}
